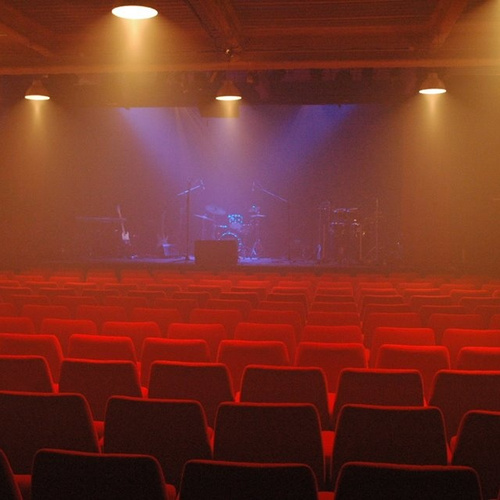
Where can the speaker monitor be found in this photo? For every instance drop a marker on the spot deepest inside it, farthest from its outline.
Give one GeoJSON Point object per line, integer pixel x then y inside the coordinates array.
{"type": "Point", "coordinates": [216, 253]}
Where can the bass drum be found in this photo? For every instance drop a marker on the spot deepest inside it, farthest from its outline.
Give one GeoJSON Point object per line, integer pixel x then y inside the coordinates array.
{"type": "Point", "coordinates": [229, 235]}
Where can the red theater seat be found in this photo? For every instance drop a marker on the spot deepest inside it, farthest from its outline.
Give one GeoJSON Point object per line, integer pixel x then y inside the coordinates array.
{"type": "Point", "coordinates": [272, 433]}
{"type": "Point", "coordinates": [439, 322]}
{"type": "Point", "coordinates": [227, 317]}
{"type": "Point", "coordinates": [379, 481]}
{"type": "Point", "coordinates": [388, 434]}
{"type": "Point", "coordinates": [98, 380]}
{"type": "Point", "coordinates": [378, 319]}
{"type": "Point", "coordinates": [64, 328]}
{"type": "Point", "coordinates": [334, 334]}
{"type": "Point", "coordinates": [153, 349]}
{"type": "Point", "coordinates": [331, 358]}
{"type": "Point", "coordinates": [173, 431]}
{"type": "Point", "coordinates": [137, 331]}
{"type": "Point", "coordinates": [476, 445]}
{"type": "Point", "coordinates": [399, 336]}
{"type": "Point", "coordinates": [272, 331]}
{"type": "Point", "coordinates": [427, 359]}
{"type": "Point", "coordinates": [212, 333]}
{"type": "Point", "coordinates": [25, 374]}
{"type": "Point", "coordinates": [238, 354]}
{"type": "Point", "coordinates": [38, 312]}
{"type": "Point", "coordinates": [248, 481]}
{"type": "Point", "coordinates": [80, 476]}
{"type": "Point", "coordinates": [456, 338]}
{"type": "Point", "coordinates": [378, 387]}
{"type": "Point", "coordinates": [479, 358]}
{"type": "Point", "coordinates": [287, 384]}
{"type": "Point", "coordinates": [16, 324]}
{"type": "Point", "coordinates": [83, 346]}
{"type": "Point", "coordinates": [208, 383]}
{"type": "Point", "coordinates": [31, 421]}
{"type": "Point", "coordinates": [455, 392]}
{"type": "Point", "coordinates": [43, 345]}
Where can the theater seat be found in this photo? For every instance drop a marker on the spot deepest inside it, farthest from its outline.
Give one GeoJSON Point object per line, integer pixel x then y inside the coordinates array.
{"type": "Point", "coordinates": [81, 476]}
{"type": "Point", "coordinates": [382, 481]}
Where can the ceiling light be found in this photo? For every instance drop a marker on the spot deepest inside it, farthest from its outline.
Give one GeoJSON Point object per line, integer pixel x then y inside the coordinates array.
{"type": "Point", "coordinates": [37, 91]}
{"type": "Point", "coordinates": [228, 92]}
{"type": "Point", "coordinates": [134, 12]}
{"type": "Point", "coordinates": [432, 85]}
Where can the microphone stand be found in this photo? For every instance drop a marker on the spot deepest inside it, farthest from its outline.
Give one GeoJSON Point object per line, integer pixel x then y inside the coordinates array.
{"type": "Point", "coordinates": [187, 192]}
{"type": "Point", "coordinates": [289, 218]}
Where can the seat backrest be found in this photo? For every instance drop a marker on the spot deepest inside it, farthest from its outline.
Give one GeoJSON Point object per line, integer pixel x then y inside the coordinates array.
{"type": "Point", "coordinates": [173, 431]}
{"type": "Point", "coordinates": [83, 346]}
{"type": "Point", "coordinates": [16, 324]}
{"type": "Point", "coordinates": [397, 319]}
{"type": "Point", "coordinates": [405, 435]}
{"type": "Point", "coordinates": [31, 421]}
{"type": "Point", "coordinates": [457, 338]}
{"type": "Point", "coordinates": [238, 354]}
{"type": "Point", "coordinates": [135, 330]}
{"type": "Point", "coordinates": [212, 333]}
{"type": "Point", "coordinates": [215, 478]}
{"type": "Point", "coordinates": [479, 358]}
{"type": "Point", "coordinates": [25, 373]}
{"type": "Point", "coordinates": [427, 359]}
{"type": "Point", "coordinates": [101, 313]}
{"type": "Point", "coordinates": [98, 380]}
{"type": "Point", "coordinates": [456, 392]}
{"type": "Point", "coordinates": [37, 312]}
{"type": "Point", "coordinates": [270, 316]}
{"type": "Point", "coordinates": [439, 322]}
{"type": "Point", "coordinates": [163, 317]}
{"type": "Point", "coordinates": [477, 445]}
{"type": "Point", "coordinates": [341, 334]}
{"type": "Point", "coordinates": [208, 383]}
{"type": "Point", "coordinates": [266, 432]}
{"type": "Point", "coordinates": [270, 331]}
{"type": "Point", "coordinates": [154, 349]}
{"type": "Point", "coordinates": [227, 317]}
{"type": "Point", "coordinates": [44, 345]}
{"type": "Point", "coordinates": [333, 318]}
{"type": "Point", "coordinates": [402, 336]}
{"type": "Point", "coordinates": [380, 481]}
{"type": "Point", "coordinates": [378, 387]}
{"type": "Point", "coordinates": [64, 328]}
{"type": "Point", "coordinates": [331, 358]}
{"type": "Point", "coordinates": [79, 476]}
{"type": "Point", "coordinates": [287, 384]}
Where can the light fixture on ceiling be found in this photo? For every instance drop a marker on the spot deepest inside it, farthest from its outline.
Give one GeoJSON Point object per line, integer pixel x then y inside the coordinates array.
{"type": "Point", "coordinates": [134, 12]}
{"type": "Point", "coordinates": [228, 92]}
{"type": "Point", "coordinates": [37, 91]}
{"type": "Point", "coordinates": [432, 85]}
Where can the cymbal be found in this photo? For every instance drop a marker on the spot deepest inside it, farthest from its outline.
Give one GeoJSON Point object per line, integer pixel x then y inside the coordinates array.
{"type": "Point", "coordinates": [204, 217]}
{"type": "Point", "coordinates": [215, 210]}
{"type": "Point", "coordinates": [258, 215]}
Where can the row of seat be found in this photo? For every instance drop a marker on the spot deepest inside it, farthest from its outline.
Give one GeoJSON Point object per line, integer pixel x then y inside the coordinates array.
{"type": "Point", "coordinates": [330, 348]}
{"type": "Point", "coordinates": [175, 431]}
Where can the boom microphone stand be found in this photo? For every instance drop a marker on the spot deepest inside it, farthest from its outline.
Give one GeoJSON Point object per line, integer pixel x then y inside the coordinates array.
{"type": "Point", "coordinates": [289, 218]}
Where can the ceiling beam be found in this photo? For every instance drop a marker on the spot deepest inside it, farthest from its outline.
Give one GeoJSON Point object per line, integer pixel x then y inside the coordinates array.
{"type": "Point", "coordinates": [220, 21]}
{"type": "Point", "coordinates": [24, 31]}
{"type": "Point", "coordinates": [443, 20]}
{"type": "Point", "coordinates": [333, 64]}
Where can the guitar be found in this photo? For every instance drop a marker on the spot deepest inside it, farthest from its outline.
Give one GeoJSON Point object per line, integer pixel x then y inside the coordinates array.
{"type": "Point", "coordinates": [125, 233]}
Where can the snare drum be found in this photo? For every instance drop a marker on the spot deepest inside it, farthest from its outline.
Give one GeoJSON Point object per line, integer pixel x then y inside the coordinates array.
{"type": "Point", "coordinates": [235, 221]}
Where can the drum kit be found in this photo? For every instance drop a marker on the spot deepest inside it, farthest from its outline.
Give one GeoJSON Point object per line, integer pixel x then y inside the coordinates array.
{"type": "Point", "coordinates": [219, 225]}
{"type": "Point", "coordinates": [342, 234]}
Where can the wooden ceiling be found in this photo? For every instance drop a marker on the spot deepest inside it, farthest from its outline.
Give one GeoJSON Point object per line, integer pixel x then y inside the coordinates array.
{"type": "Point", "coordinates": [312, 40]}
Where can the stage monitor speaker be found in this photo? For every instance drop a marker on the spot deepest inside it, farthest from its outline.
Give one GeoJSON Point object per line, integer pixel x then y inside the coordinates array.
{"type": "Point", "coordinates": [215, 253]}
